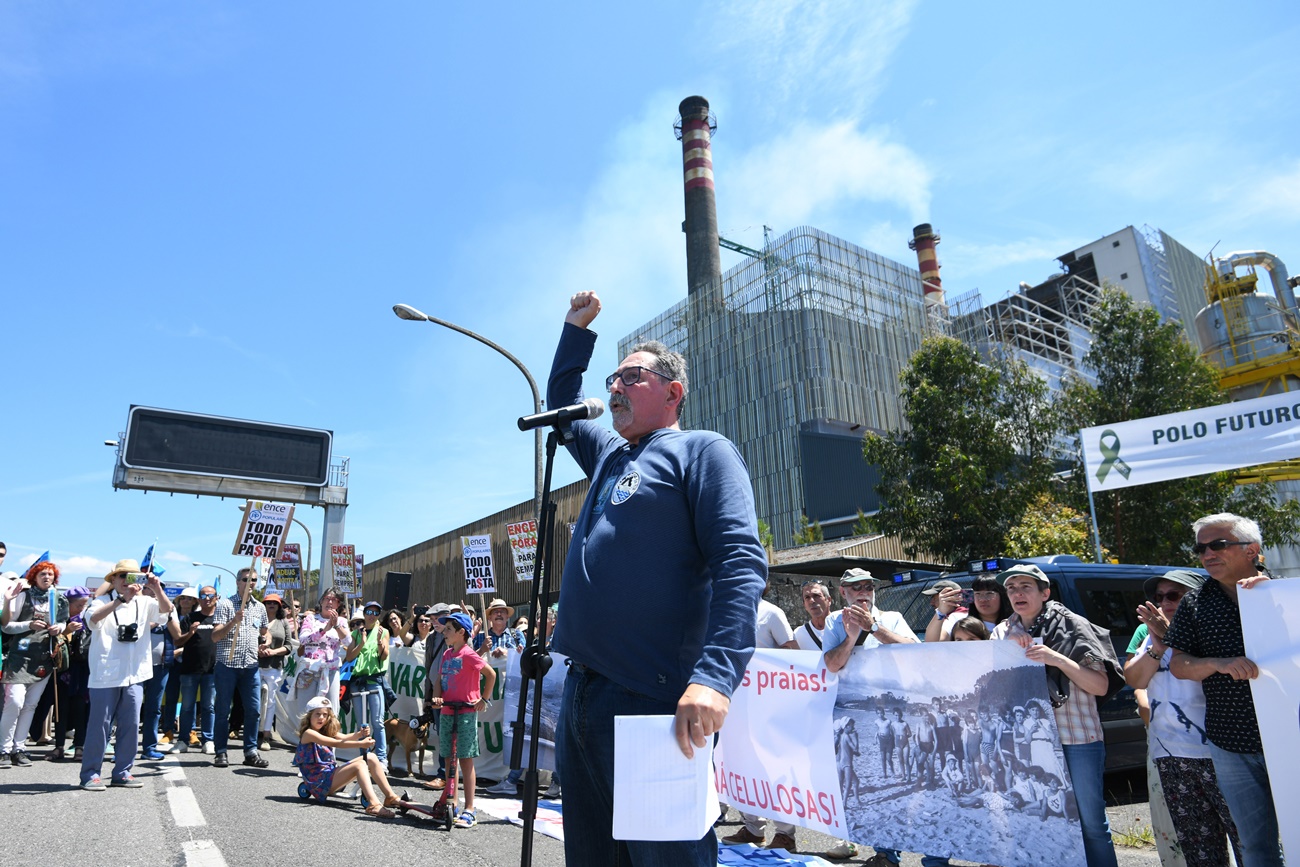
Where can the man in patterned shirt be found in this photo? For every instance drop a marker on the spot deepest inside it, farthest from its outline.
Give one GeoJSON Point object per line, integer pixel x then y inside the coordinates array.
{"type": "Point", "coordinates": [239, 629]}
{"type": "Point", "coordinates": [1208, 647]}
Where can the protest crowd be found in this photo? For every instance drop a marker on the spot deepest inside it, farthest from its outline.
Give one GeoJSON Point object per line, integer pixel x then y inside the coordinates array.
{"type": "Point", "coordinates": [135, 672]}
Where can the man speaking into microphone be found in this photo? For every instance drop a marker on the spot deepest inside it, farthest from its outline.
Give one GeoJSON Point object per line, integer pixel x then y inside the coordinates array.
{"type": "Point", "coordinates": [668, 530]}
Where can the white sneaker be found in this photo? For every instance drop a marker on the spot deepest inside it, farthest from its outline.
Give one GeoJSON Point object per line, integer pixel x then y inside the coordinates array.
{"type": "Point", "coordinates": [505, 787]}
{"type": "Point", "coordinates": [183, 747]}
{"type": "Point", "coordinates": [209, 749]}
{"type": "Point", "coordinates": [552, 792]}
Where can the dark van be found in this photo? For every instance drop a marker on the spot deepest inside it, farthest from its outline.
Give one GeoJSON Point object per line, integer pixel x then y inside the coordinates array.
{"type": "Point", "coordinates": [1108, 594]}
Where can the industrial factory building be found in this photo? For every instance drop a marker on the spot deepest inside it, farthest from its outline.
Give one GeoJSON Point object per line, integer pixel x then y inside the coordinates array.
{"type": "Point", "coordinates": [795, 353]}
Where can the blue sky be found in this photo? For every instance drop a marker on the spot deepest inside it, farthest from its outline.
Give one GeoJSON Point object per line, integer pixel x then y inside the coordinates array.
{"type": "Point", "coordinates": [213, 206]}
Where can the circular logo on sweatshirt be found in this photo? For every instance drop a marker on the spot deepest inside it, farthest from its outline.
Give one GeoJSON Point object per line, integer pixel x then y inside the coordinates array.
{"type": "Point", "coordinates": [625, 487]}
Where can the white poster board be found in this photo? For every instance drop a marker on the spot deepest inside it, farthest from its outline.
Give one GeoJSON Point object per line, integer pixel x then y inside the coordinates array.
{"type": "Point", "coordinates": [523, 548]}
{"type": "Point", "coordinates": [1272, 634]}
{"type": "Point", "coordinates": [343, 565]}
{"type": "Point", "coordinates": [477, 551]}
{"type": "Point", "coordinates": [262, 529]}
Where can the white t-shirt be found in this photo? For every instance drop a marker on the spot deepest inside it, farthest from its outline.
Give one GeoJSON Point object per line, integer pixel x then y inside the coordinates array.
{"type": "Point", "coordinates": [804, 636]}
{"type": "Point", "coordinates": [1177, 713]}
{"type": "Point", "coordinates": [115, 663]}
{"type": "Point", "coordinates": [773, 627]}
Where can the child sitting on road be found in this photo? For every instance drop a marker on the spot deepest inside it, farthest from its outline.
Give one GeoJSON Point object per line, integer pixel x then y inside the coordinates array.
{"type": "Point", "coordinates": [456, 690]}
{"type": "Point", "coordinates": [318, 738]}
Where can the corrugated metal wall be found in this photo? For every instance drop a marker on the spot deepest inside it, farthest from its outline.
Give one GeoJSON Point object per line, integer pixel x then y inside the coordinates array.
{"type": "Point", "coordinates": [437, 565]}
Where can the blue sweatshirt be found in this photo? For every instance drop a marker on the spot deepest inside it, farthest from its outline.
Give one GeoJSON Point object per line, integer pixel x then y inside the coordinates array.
{"type": "Point", "coordinates": [665, 570]}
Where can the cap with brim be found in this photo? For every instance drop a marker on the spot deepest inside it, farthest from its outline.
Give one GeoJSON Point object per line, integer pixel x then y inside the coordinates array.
{"type": "Point", "coordinates": [939, 586]}
{"type": "Point", "coordinates": [189, 593]}
{"type": "Point", "coordinates": [123, 566]}
{"type": "Point", "coordinates": [371, 604]}
{"type": "Point", "coordinates": [1028, 569]}
{"type": "Point", "coordinates": [460, 620]}
{"type": "Point", "coordinates": [1185, 577]}
{"type": "Point", "coordinates": [440, 609]}
{"type": "Point", "coordinates": [273, 597]}
{"type": "Point", "coordinates": [855, 576]}
{"type": "Point", "coordinates": [319, 702]}
{"type": "Point", "coordinates": [78, 593]}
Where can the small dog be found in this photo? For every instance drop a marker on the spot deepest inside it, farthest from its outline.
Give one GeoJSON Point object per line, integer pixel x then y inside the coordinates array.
{"type": "Point", "coordinates": [398, 731]}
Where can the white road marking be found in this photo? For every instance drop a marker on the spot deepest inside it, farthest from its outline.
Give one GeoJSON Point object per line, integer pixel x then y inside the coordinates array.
{"type": "Point", "coordinates": [202, 853]}
{"type": "Point", "coordinates": [185, 808]}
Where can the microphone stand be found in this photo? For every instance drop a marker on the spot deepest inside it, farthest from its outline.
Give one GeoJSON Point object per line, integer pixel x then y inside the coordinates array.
{"type": "Point", "coordinates": [536, 659]}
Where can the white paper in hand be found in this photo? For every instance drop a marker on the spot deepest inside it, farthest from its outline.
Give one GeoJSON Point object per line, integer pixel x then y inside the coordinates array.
{"type": "Point", "coordinates": [659, 794]}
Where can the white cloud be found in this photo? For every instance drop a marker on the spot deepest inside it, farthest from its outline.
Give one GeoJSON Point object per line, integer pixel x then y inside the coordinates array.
{"type": "Point", "coordinates": [838, 50]}
{"type": "Point", "coordinates": [177, 557]}
{"type": "Point", "coordinates": [1265, 195]}
{"type": "Point", "coordinates": [971, 260]}
{"type": "Point", "coordinates": [74, 569]}
{"type": "Point", "coordinates": [811, 170]}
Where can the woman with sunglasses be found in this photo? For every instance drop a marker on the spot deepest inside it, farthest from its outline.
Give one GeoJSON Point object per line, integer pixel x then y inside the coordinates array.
{"type": "Point", "coordinates": [196, 668]}
{"type": "Point", "coordinates": [418, 637]}
{"type": "Point", "coordinates": [1176, 726]}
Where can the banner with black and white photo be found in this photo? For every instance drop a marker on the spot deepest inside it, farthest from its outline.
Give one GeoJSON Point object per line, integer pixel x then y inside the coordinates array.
{"type": "Point", "coordinates": [1193, 443]}
{"type": "Point", "coordinates": [947, 749]}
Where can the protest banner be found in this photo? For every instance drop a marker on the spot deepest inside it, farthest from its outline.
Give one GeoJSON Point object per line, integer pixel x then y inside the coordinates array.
{"type": "Point", "coordinates": [1273, 643]}
{"type": "Point", "coordinates": [774, 756]}
{"type": "Point", "coordinates": [262, 529]}
{"type": "Point", "coordinates": [343, 565]}
{"type": "Point", "coordinates": [288, 567]}
{"type": "Point", "coordinates": [359, 562]}
{"type": "Point", "coordinates": [523, 547]}
{"type": "Point", "coordinates": [477, 551]}
{"type": "Point", "coordinates": [1192, 443]}
{"type": "Point", "coordinates": [552, 693]}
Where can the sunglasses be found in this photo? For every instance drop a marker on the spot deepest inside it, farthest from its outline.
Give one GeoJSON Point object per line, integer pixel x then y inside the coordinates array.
{"type": "Point", "coordinates": [1217, 545]}
{"type": "Point", "coordinates": [207, 596]}
{"type": "Point", "coordinates": [632, 375]}
{"type": "Point", "coordinates": [1171, 595]}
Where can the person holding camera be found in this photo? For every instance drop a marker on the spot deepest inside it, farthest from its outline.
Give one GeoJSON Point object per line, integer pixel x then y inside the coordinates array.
{"type": "Point", "coordinates": [120, 664]}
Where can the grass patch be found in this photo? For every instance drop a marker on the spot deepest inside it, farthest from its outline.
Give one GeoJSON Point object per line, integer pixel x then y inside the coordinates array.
{"type": "Point", "coordinates": [1136, 836]}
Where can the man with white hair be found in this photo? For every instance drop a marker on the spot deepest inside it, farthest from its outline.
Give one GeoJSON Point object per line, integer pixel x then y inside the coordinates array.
{"type": "Point", "coordinates": [1209, 647]}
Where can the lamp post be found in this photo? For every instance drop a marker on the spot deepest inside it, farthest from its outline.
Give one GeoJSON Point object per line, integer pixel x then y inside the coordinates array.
{"type": "Point", "coordinates": [407, 312]}
{"type": "Point", "coordinates": [222, 568]}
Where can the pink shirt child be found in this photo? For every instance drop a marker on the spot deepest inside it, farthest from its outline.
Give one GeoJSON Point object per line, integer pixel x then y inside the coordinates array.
{"type": "Point", "coordinates": [459, 673]}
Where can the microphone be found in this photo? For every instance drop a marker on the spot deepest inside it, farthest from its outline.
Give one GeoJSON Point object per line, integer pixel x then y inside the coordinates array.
{"type": "Point", "coordinates": [591, 408]}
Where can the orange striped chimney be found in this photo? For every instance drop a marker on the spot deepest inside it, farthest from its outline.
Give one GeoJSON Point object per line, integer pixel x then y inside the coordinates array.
{"type": "Point", "coordinates": [703, 258]}
{"type": "Point", "coordinates": [924, 240]}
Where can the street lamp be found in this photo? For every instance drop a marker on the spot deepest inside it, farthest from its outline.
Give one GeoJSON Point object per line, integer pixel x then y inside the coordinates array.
{"type": "Point", "coordinates": [215, 566]}
{"type": "Point", "coordinates": [406, 311]}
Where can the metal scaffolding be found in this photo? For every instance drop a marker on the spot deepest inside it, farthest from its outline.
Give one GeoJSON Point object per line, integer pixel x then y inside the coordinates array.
{"type": "Point", "coordinates": [818, 328]}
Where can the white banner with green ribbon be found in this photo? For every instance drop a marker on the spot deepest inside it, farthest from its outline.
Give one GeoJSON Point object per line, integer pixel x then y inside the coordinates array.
{"type": "Point", "coordinates": [1192, 443]}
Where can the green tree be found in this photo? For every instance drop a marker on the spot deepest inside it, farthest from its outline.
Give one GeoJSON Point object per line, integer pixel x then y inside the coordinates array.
{"type": "Point", "coordinates": [765, 537]}
{"type": "Point", "coordinates": [863, 526]}
{"type": "Point", "coordinates": [975, 454]}
{"type": "Point", "coordinates": [1050, 527]}
{"type": "Point", "coordinates": [807, 534]}
{"type": "Point", "coordinates": [1144, 368]}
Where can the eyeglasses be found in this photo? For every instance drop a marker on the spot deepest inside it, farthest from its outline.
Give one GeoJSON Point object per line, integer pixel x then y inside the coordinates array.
{"type": "Point", "coordinates": [1217, 545]}
{"type": "Point", "coordinates": [207, 596]}
{"type": "Point", "coordinates": [986, 594]}
{"type": "Point", "coordinates": [1171, 595]}
{"type": "Point", "coordinates": [632, 375]}
{"type": "Point", "coordinates": [243, 580]}
{"type": "Point", "coordinates": [424, 620]}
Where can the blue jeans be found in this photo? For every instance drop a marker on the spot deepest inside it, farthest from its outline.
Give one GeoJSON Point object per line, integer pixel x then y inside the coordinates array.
{"type": "Point", "coordinates": [895, 857]}
{"type": "Point", "coordinates": [153, 694]}
{"type": "Point", "coordinates": [248, 682]}
{"type": "Point", "coordinates": [171, 698]}
{"type": "Point", "coordinates": [1243, 780]}
{"type": "Point", "coordinates": [585, 742]}
{"type": "Point", "coordinates": [1087, 763]}
{"type": "Point", "coordinates": [372, 692]}
{"type": "Point", "coordinates": [120, 704]}
{"type": "Point", "coordinates": [192, 686]}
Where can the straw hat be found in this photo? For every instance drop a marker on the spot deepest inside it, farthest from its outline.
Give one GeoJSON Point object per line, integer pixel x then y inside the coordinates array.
{"type": "Point", "coordinates": [499, 603]}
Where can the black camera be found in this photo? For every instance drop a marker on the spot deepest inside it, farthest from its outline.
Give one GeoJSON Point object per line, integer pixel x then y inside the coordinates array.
{"type": "Point", "coordinates": [421, 610]}
{"type": "Point", "coordinates": [128, 632]}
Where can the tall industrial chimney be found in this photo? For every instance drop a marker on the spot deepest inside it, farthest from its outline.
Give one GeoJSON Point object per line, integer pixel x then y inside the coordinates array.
{"type": "Point", "coordinates": [703, 259]}
{"type": "Point", "coordinates": [924, 240]}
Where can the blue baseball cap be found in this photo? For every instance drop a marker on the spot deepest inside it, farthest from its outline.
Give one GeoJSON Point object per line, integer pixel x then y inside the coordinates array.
{"type": "Point", "coordinates": [372, 604]}
{"type": "Point", "coordinates": [461, 620]}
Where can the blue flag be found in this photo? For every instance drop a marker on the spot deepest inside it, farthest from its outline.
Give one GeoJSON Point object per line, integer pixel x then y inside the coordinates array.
{"type": "Point", "coordinates": [148, 561]}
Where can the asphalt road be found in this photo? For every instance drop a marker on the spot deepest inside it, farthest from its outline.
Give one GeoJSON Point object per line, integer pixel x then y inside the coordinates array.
{"type": "Point", "coordinates": [194, 815]}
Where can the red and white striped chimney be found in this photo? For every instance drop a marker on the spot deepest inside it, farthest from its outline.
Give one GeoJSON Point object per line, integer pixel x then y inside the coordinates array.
{"type": "Point", "coordinates": [924, 240]}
